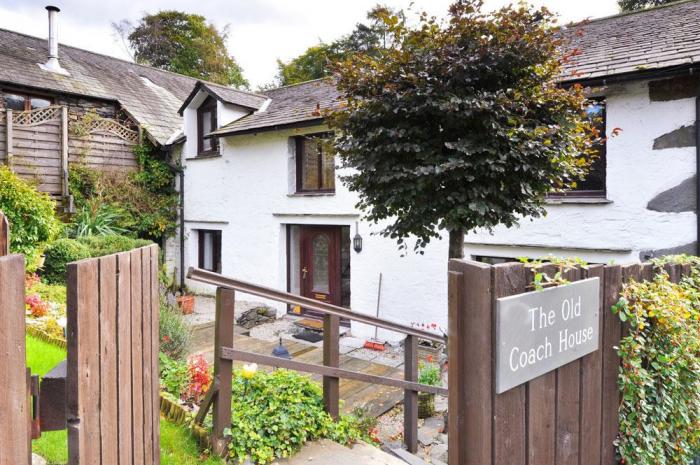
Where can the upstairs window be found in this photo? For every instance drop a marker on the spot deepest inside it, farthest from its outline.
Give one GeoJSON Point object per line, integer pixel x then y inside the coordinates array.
{"type": "Point", "coordinates": [209, 244]}
{"type": "Point", "coordinates": [593, 185]}
{"type": "Point", "coordinates": [206, 123]}
{"type": "Point", "coordinates": [24, 102]}
{"type": "Point", "coordinates": [315, 165]}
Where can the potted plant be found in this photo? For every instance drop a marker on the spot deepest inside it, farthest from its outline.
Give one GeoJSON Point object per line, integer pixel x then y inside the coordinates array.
{"type": "Point", "coordinates": [186, 303]}
{"type": "Point", "coordinates": [428, 373]}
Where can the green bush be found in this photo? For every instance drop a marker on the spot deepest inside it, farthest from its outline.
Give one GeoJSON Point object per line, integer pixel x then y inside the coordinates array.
{"type": "Point", "coordinates": [64, 251]}
{"type": "Point", "coordinates": [429, 373]}
{"type": "Point", "coordinates": [107, 245]}
{"type": "Point", "coordinates": [95, 218]}
{"type": "Point", "coordinates": [174, 375]}
{"type": "Point", "coordinates": [174, 332]}
{"type": "Point", "coordinates": [276, 413]}
{"type": "Point", "coordinates": [31, 214]}
{"type": "Point", "coordinates": [58, 255]}
{"type": "Point", "coordinates": [146, 200]}
{"type": "Point", "coordinates": [660, 373]}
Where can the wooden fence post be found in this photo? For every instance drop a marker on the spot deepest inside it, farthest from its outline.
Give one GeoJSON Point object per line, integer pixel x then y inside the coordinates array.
{"type": "Point", "coordinates": [64, 152]}
{"type": "Point", "coordinates": [331, 358]}
{"type": "Point", "coordinates": [8, 138]}
{"type": "Point", "coordinates": [410, 413]}
{"type": "Point", "coordinates": [470, 368]}
{"type": "Point", "coordinates": [4, 235]}
{"type": "Point", "coordinates": [15, 419]}
{"type": "Point", "coordinates": [223, 369]}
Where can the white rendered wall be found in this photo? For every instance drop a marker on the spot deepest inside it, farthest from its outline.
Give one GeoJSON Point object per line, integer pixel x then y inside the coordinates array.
{"type": "Point", "coordinates": [248, 194]}
{"type": "Point", "coordinates": [619, 230]}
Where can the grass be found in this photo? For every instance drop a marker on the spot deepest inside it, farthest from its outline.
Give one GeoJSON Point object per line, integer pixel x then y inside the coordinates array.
{"type": "Point", "coordinates": [41, 358]}
{"type": "Point", "coordinates": [177, 446]}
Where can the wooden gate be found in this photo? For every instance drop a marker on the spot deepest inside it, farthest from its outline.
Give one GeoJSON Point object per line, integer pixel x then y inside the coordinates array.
{"type": "Point", "coordinates": [565, 417]}
{"type": "Point", "coordinates": [111, 400]}
{"type": "Point", "coordinates": [112, 383]}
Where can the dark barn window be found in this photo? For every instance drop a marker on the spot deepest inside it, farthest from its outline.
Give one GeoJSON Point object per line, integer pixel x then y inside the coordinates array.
{"type": "Point", "coordinates": [209, 241]}
{"type": "Point", "coordinates": [24, 102]}
{"type": "Point", "coordinates": [206, 123]}
{"type": "Point", "coordinates": [315, 165]}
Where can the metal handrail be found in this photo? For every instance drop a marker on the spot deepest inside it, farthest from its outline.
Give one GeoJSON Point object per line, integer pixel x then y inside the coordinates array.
{"type": "Point", "coordinates": [216, 279]}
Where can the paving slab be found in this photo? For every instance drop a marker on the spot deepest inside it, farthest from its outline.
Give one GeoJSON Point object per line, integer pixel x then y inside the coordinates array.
{"type": "Point", "coordinates": [326, 452]}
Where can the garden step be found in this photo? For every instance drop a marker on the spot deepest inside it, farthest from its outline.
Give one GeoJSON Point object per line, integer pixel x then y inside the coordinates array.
{"type": "Point", "coordinates": [326, 452]}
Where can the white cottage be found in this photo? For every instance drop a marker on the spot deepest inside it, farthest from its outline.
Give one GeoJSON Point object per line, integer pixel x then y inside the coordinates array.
{"type": "Point", "coordinates": [263, 202]}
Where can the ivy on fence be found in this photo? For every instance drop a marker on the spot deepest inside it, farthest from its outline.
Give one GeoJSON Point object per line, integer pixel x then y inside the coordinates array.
{"type": "Point", "coordinates": [660, 373]}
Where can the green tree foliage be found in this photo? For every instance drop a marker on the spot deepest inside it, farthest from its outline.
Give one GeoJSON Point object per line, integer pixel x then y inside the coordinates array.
{"type": "Point", "coordinates": [459, 125]}
{"type": "Point", "coordinates": [318, 61]}
{"type": "Point", "coordinates": [633, 5]}
{"type": "Point", "coordinates": [31, 215]}
{"type": "Point", "coordinates": [183, 43]}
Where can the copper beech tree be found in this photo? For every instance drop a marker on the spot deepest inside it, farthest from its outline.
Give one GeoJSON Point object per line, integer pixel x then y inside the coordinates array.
{"type": "Point", "coordinates": [459, 124]}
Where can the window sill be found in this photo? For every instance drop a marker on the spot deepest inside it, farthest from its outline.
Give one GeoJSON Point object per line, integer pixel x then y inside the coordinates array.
{"type": "Point", "coordinates": [577, 200]}
{"type": "Point", "coordinates": [311, 194]}
{"type": "Point", "coordinates": [204, 157]}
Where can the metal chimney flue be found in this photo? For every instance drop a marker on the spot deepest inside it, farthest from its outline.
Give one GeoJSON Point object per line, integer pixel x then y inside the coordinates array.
{"type": "Point", "coordinates": [53, 64]}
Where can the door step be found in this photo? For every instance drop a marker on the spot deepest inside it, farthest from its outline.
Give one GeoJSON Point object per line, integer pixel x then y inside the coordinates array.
{"type": "Point", "coordinates": [411, 459]}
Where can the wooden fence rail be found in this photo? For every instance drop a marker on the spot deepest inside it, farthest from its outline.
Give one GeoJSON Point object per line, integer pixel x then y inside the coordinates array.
{"type": "Point", "coordinates": [565, 417]}
{"type": "Point", "coordinates": [219, 397]}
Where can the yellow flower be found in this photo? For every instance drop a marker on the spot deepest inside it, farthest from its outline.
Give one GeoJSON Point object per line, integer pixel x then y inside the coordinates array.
{"type": "Point", "coordinates": [249, 370]}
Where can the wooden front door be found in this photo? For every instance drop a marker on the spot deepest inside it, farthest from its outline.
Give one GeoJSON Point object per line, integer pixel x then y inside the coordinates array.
{"type": "Point", "coordinates": [320, 263]}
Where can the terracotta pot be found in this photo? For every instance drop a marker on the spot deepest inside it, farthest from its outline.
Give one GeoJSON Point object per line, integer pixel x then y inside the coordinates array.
{"type": "Point", "coordinates": [186, 304]}
{"type": "Point", "coordinates": [426, 405]}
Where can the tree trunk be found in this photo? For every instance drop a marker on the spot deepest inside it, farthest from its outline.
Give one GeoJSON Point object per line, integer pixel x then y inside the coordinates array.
{"type": "Point", "coordinates": [456, 243]}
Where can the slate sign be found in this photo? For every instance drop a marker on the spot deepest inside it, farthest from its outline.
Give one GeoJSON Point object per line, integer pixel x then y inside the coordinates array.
{"type": "Point", "coordinates": [540, 331]}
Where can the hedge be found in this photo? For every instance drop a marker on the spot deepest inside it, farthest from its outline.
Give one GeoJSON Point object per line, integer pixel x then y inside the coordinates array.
{"type": "Point", "coordinates": [64, 251]}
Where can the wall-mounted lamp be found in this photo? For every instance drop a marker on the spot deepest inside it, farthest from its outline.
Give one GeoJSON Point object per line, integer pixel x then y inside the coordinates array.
{"type": "Point", "coordinates": [357, 240]}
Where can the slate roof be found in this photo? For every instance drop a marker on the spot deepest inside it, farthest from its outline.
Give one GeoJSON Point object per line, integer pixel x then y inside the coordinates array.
{"type": "Point", "coordinates": [660, 38]}
{"type": "Point", "coordinates": [152, 96]}
{"type": "Point", "coordinates": [224, 94]}
{"type": "Point", "coordinates": [289, 105]}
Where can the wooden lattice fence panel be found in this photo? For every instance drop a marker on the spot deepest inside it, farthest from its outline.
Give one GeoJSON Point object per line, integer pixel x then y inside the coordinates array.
{"type": "Point", "coordinates": [112, 384]}
{"type": "Point", "coordinates": [36, 154]}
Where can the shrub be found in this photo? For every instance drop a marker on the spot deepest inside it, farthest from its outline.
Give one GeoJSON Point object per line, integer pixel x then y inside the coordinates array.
{"type": "Point", "coordinates": [55, 293]}
{"type": "Point", "coordinates": [429, 373]}
{"type": "Point", "coordinates": [31, 214]}
{"type": "Point", "coordinates": [174, 332]}
{"type": "Point", "coordinates": [58, 255]}
{"type": "Point", "coordinates": [173, 375]}
{"type": "Point", "coordinates": [660, 373]}
{"type": "Point", "coordinates": [199, 379]}
{"type": "Point", "coordinates": [276, 413]}
{"type": "Point", "coordinates": [36, 306]}
{"type": "Point", "coordinates": [146, 199]}
{"type": "Point", "coordinates": [65, 250]}
{"type": "Point", "coordinates": [107, 245]}
{"type": "Point", "coordinates": [96, 219]}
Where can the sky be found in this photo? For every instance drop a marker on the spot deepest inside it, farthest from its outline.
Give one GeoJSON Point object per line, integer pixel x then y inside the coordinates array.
{"type": "Point", "coordinates": [260, 31]}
